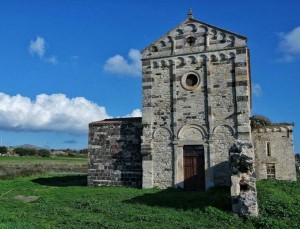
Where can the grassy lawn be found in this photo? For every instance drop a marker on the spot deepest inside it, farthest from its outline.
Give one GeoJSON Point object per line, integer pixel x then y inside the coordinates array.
{"type": "Point", "coordinates": [66, 202]}
{"type": "Point", "coordinates": [12, 167]}
{"type": "Point", "coordinates": [32, 159]}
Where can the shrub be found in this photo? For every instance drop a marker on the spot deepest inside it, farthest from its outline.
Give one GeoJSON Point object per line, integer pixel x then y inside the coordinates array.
{"type": "Point", "coordinates": [84, 151]}
{"type": "Point", "coordinates": [25, 151]}
{"type": "Point", "coordinates": [3, 150]}
{"type": "Point", "coordinates": [71, 154]}
{"type": "Point", "coordinates": [43, 153]}
{"type": "Point", "coordinates": [259, 120]}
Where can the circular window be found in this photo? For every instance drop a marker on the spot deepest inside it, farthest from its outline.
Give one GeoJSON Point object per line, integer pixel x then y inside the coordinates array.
{"type": "Point", "coordinates": [190, 81]}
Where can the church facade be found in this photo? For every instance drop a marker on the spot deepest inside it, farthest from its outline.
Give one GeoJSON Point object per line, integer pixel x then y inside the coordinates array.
{"type": "Point", "coordinates": [196, 96]}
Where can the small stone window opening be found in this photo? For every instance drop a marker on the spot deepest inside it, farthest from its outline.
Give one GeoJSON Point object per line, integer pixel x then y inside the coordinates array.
{"type": "Point", "coordinates": [154, 49]}
{"type": "Point", "coordinates": [271, 171]}
{"type": "Point", "coordinates": [191, 41]}
{"type": "Point", "coordinates": [191, 80]}
{"type": "Point", "coordinates": [162, 44]}
{"type": "Point", "coordinates": [269, 149]}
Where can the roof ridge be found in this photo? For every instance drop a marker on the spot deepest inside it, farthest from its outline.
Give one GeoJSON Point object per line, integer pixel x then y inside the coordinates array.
{"type": "Point", "coordinates": [116, 120]}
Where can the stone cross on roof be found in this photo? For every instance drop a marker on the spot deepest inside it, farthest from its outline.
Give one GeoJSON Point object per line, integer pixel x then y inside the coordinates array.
{"type": "Point", "coordinates": [190, 14]}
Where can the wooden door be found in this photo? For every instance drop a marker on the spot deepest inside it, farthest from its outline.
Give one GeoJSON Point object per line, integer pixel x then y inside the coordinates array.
{"type": "Point", "coordinates": [194, 172]}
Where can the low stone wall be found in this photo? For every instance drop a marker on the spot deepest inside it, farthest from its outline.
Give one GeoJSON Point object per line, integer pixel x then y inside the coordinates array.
{"type": "Point", "coordinates": [115, 153]}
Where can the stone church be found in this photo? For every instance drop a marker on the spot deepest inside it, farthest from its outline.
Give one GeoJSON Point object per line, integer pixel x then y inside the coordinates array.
{"type": "Point", "coordinates": [196, 82]}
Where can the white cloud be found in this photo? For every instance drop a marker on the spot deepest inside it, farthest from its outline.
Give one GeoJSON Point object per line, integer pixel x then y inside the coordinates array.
{"type": "Point", "coordinates": [256, 90]}
{"type": "Point", "coordinates": [134, 113]}
{"type": "Point", "coordinates": [53, 112]}
{"type": "Point", "coordinates": [286, 58]}
{"type": "Point", "coordinates": [51, 60]}
{"type": "Point", "coordinates": [290, 45]}
{"type": "Point", "coordinates": [37, 47]}
{"type": "Point", "coordinates": [119, 65]}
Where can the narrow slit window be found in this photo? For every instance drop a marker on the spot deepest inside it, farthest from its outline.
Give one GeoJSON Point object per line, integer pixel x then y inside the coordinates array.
{"type": "Point", "coordinates": [269, 149]}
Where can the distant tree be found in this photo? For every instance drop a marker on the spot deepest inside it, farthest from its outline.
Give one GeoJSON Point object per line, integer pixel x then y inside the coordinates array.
{"type": "Point", "coordinates": [25, 151]}
{"type": "Point", "coordinates": [43, 153]}
{"type": "Point", "coordinates": [3, 150]}
{"type": "Point", "coordinates": [259, 120]}
{"type": "Point", "coordinates": [67, 151]}
{"type": "Point", "coordinates": [70, 154]}
{"type": "Point", "coordinates": [84, 151]}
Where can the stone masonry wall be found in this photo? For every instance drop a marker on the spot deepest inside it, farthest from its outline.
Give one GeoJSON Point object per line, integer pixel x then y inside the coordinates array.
{"type": "Point", "coordinates": [115, 153]}
{"type": "Point", "coordinates": [162, 159]}
{"type": "Point", "coordinates": [217, 105]}
{"type": "Point", "coordinates": [162, 117]}
{"type": "Point", "coordinates": [222, 142]}
{"type": "Point", "coordinates": [281, 151]}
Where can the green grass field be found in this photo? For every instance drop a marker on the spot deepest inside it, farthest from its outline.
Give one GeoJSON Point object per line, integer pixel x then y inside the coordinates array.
{"type": "Point", "coordinates": [12, 167]}
{"type": "Point", "coordinates": [66, 202]}
{"type": "Point", "coordinates": [32, 159]}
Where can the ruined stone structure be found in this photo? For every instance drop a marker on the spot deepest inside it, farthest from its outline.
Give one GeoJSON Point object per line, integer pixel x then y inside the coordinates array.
{"type": "Point", "coordinates": [196, 101]}
{"type": "Point", "coordinates": [243, 180]}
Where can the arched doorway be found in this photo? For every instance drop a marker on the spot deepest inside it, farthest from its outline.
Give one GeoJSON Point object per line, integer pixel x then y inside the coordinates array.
{"type": "Point", "coordinates": [194, 167]}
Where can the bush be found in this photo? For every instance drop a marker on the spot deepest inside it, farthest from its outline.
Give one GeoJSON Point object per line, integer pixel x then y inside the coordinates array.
{"type": "Point", "coordinates": [84, 151]}
{"type": "Point", "coordinates": [3, 150]}
{"type": "Point", "coordinates": [25, 151]}
{"type": "Point", "coordinates": [43, 153]}
{"type": "Point", "coordinates": [71, 154]}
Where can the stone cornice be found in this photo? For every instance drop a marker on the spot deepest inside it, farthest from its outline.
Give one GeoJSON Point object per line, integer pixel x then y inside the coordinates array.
{"type": "Point", "coordinates": [193, 53]}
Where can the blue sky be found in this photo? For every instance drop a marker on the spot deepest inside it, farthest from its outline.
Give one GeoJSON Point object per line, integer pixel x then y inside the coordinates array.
{"type": "Point", "coordinates": [65, 63]}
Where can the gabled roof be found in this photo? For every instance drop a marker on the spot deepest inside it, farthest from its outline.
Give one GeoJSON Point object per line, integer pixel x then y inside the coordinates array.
{"type": "Point", "coordinates": [190, 19]}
